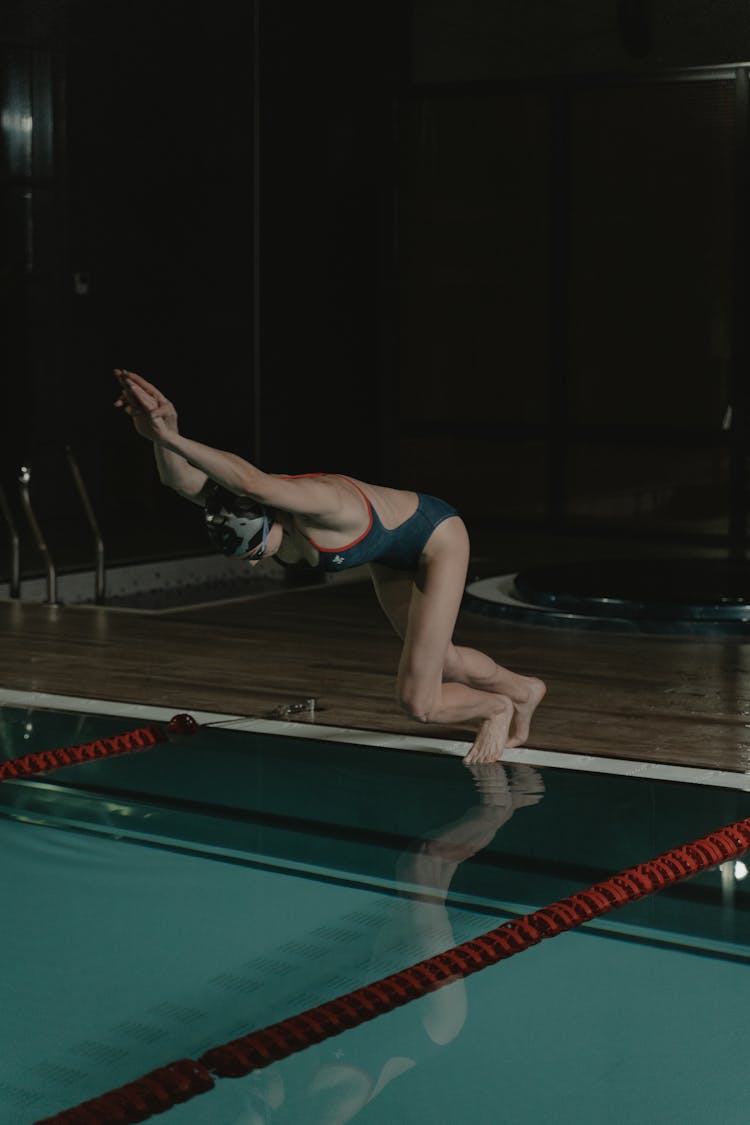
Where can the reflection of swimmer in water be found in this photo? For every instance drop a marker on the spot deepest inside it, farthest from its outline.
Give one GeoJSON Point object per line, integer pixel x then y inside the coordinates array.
{"type": "Point", "coordinates": [330, 1084]}
{"type": "Point", "coordinates": [416, 547]}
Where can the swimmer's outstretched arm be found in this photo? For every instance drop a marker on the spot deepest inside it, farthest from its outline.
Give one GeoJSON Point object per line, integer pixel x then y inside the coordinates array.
{"type": "Point", "coordinates": [176, 473]}
{"type": "Point", "coordinates": [151, 412]}
{"type": "Point", "coordinates": [178, 457]}
{"type": "Point", "coordinates": [300, 496]}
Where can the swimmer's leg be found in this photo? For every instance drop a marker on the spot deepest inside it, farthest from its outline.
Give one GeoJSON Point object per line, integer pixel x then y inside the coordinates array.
{"type": "Point", "coordinates": [434, 684]}
{"type": "Point", "coordinates": [477, 670]}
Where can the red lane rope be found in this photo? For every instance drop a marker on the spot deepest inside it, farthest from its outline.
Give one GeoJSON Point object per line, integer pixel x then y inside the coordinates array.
{"type": "Point", "coordinates": [142, 738]}
{"type": "Point", "coordinates": [184, 1079]}
{"type": "Point", "coordinates": [44, 760]}
{"type": "Point", "coordinates": [156, 1092]}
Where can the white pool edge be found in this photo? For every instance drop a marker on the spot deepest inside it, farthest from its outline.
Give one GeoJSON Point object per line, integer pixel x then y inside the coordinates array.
{"type": "Point", "coordinates": [525, 755]}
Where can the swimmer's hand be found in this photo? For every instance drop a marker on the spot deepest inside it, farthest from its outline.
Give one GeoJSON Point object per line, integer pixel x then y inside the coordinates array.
{"type": "Point", "coordinates": [154, 417]}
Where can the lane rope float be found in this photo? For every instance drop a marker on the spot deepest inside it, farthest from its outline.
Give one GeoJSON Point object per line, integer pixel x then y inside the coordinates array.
{"type": "Point", "coordinates": [130, 742]}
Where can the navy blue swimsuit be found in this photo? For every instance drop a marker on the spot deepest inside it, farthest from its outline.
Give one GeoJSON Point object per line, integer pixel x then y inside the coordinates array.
{"type": "Point", "coordinates": [400, 547]}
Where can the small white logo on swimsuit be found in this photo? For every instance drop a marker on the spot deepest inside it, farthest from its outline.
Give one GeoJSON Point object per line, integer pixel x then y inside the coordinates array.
{"type": "Point", "coordinates": [338, 559]}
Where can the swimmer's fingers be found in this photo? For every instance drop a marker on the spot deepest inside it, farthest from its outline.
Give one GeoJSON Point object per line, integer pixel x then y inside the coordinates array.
{"type": "Point", "coordinates": [145, 398]}
{"type": "Point", "coordinates": [153, 415]}
{"type": "Point", "coordinates": [127, 398]}
{"type": "Point", "coordinates": [122, 398]}
{"type": "Point", "coordinates": [130, 378]}
{"type": "Point", "coordinates": [127, 402]}
{"type": "Point", "coordinates": [139, 400]}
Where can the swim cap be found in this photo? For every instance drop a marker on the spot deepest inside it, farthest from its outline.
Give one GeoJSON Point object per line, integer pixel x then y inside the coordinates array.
{"type": "Point", "coordinates": [234, 524]}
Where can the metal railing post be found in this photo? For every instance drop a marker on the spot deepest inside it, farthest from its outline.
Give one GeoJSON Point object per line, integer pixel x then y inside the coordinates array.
{"type": "Point", "coordinates": [100, 593]}
{"type": "Point", "coordinates": [14, 579]}
{"type": "Point", "coordinates": [24, 480]}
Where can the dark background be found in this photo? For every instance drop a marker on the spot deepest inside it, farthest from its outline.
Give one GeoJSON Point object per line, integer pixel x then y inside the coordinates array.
{"type": "Point", "coordinates": [495, 251]}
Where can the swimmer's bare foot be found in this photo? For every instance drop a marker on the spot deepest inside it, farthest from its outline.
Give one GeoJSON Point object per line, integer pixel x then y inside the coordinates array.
{"type": "Point", "coordinates": [521, 723]}
{"type": "Point", "coordinates": [492, 738]}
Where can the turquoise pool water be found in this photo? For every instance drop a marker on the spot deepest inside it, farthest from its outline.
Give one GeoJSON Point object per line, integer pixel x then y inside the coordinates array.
{"type": "Point", "coordinates": [163, 903]}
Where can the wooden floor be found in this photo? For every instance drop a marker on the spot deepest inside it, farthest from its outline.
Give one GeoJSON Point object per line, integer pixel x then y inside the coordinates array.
{"type": "Point", "coordinates": [683, 701]}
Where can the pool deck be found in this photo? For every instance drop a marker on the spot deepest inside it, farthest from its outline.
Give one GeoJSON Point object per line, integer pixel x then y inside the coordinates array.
{"type": "Point", "coordinates": [634, 698]}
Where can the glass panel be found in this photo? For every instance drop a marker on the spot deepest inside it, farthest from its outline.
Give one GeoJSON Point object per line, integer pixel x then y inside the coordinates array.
{"type": "Point", "coordinates": [473, 231]}
{"type": "Point", "coordinates": [15, 95]}
{"type": "Point", "coordinates": [654, 487]}
{"type": "Point", "coordinates": [484, 478]}
{"type": "Point", "coordinates": [652, 240]}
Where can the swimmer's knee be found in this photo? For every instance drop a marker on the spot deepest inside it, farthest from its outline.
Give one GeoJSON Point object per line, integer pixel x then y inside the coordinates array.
{"type": "Point", "coordinates": [414, 709]}
{"type": "Point", "coordinates": [416, 701]}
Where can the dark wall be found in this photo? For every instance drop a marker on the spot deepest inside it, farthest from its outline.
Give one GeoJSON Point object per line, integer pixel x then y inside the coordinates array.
{"type": "Point", "coordinates": [571, 294]}
{"type": "Point", "coordinates": [418, 303]}
{"type": "Point", "coordinates": [171, 151]}
{"type": "Point", "coordinates": [158, 163]}
{"type": "Point", "coordinates": [571, 321]}
{"type": "Point", "coordinates": [327, 76]}
{"type": "Point", "coordinates": [487, 39]}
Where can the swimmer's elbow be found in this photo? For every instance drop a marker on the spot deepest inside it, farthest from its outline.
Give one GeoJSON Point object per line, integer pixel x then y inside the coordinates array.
{"type": "Point", "coordinates": [196, 494]}
{"type": "Point", "coordinates": [194, 497]}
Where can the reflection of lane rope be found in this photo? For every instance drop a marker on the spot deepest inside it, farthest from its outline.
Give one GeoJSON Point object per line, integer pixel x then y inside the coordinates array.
{"type": "Point", "coordinates": [184, 1079]}
{"type": "Point", "coordinates": [133, 740]}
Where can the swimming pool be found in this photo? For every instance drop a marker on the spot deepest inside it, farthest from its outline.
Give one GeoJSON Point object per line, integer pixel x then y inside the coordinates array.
{"type": "Point", "coordinates": [166, 902]}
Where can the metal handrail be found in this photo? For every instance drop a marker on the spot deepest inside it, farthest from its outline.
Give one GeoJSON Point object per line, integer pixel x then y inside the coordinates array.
{"type": "Point", "coordinates": [101, 581]}
{"type": "Point", "coordinates": [14, 583]}
{"type": "Point", "coordinates": [24, 480]}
